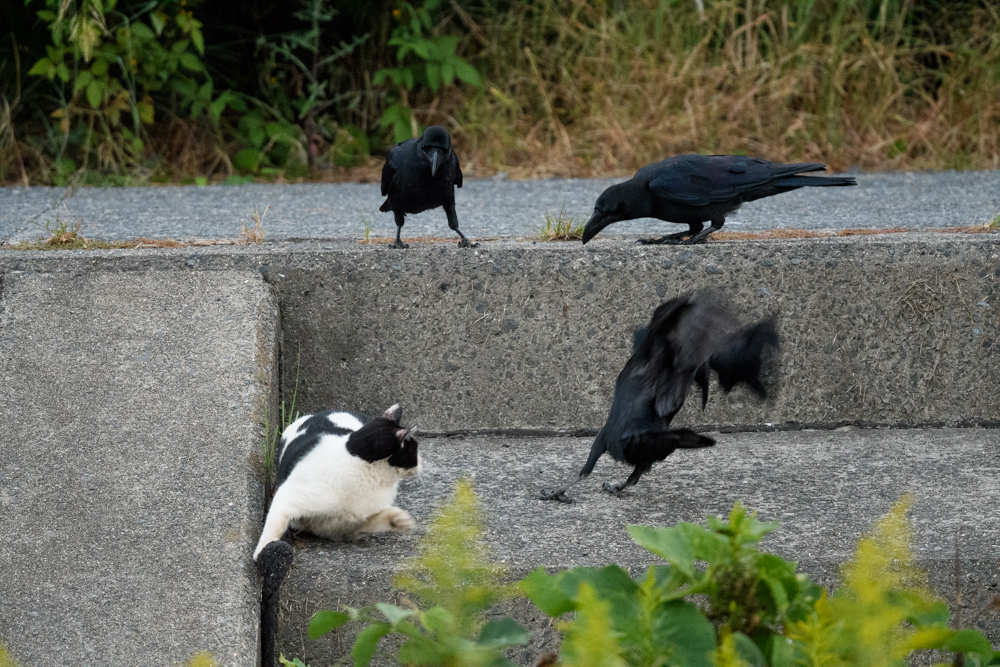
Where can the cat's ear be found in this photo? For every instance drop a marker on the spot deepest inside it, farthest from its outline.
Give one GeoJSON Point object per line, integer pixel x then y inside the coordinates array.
{"type": "Point", "coordinates": [394, 414]}
{"type": "Point", "coordinates": [404, 433]}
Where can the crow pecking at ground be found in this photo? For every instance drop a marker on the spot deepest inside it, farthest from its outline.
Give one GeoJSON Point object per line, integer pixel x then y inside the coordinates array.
{"type": "Point", "coordinates": [693, 189]}
{"type": "Point", "coordinates": [688, 337]}
{"type": "Point", "coordinates": [421, 174]}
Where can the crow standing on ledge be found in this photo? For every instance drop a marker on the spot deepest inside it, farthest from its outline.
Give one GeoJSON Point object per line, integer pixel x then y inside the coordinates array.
{"type": "Point", "coordinates": [687, 338]}
{"type": "Point", "coordinates": [421, 174]}
{"type": "Point", "coordinates": [693, 189]}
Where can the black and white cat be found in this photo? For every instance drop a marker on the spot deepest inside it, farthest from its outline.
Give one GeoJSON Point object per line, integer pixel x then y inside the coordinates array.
{"type": "Point", "coordinates": [337, 476]}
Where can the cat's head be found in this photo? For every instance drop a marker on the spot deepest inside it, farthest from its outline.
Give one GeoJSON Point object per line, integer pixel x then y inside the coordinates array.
{"type": "Point", "coordinates": [385, 439]}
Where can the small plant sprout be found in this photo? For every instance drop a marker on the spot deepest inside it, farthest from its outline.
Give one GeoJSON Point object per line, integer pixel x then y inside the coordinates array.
{"type": "Point", "coordinates": [254, 235]}
{"type": "Point", "coordinates": [993, 224]}
{"type": "Point", "coordinates": [369, 227]}
{"type": "Point", "coordinates": [269, 447]}
{"type": "Point", "coordinates": [561, 227]}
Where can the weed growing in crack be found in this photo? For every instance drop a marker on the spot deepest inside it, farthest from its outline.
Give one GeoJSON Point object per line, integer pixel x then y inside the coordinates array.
{"type": "Point", "coordinates": [271, 438]}
{"type": "Point", "coordinates": [561, 227]}
{"type": "Point", "coordinates": [254, 235]}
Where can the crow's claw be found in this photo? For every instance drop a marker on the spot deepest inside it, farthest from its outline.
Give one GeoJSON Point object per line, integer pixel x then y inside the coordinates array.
{"type": "Point", "coordinates": [613, 489]}
{"type": "Point", "coordinates": [556, 495]}
{"type": "Point", "coordinates": [466, 243]}
{"type": "Point", "coordinates": [400, 245]}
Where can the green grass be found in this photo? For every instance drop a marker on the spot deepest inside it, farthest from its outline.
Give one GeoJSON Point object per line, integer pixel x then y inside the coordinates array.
{"type": "Point", "coordinates": [561, 227]}
{"type": "Point", "coordinates": [269, 448]}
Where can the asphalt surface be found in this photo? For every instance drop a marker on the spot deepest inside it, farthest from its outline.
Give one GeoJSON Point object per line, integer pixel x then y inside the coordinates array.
{"type": "Point", "coordinates": [493, 207]}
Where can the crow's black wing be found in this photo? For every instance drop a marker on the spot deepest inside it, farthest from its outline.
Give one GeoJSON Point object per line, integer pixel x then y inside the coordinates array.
{"type": "Point", "coordinates": [742, 356]}
{"type": "Point", "coordinates": [701, 180]}
{"type": "Point", "coordinates": [458, 170]}
{"type": "Point", "coordinates": [680, 340]}
{"type": "Point", "coordinates": [388, 171]}
{"type": "Point", "coordinates": [652, 446]}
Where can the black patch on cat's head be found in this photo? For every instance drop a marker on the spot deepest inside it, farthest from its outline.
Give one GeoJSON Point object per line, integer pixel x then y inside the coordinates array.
{"type": "Point", "coordinates": [382, 439]}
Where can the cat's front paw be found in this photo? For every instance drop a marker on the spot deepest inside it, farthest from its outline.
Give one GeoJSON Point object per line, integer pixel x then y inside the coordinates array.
{"type": "Point", "coordinates": [400, 521]}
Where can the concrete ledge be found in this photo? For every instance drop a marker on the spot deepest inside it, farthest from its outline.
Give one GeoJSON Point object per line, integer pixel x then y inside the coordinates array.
{"type": "Point", "coordinates": [826, 487]}
{"type": "Point", "coordinates": [130, 468]}
{"type": "Point", "coordinates": [884, 330]}
{"type": "Point", "coordinates": [897, 329]}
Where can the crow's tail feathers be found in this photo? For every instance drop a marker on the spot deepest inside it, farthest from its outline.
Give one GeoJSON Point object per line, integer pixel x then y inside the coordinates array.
{"type": "Point", "coordinates": [815, 181]}
{"type": "Point", "coordinates": [744, 355]}
{"type": "Point", "coordinates": [687, 439]}
{"type": "Point", "coordinates": [273, 564]}
{"type": "Point", "coordinates": [386, 206]}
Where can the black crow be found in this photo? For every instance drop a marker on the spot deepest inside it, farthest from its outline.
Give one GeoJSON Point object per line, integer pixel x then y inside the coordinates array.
{"type": "Point", "coordinates": [693, 189]}
{"type": "Point", "coordinates": [687, 338]}
{"type": "Point", "coordinates": [421, 174]}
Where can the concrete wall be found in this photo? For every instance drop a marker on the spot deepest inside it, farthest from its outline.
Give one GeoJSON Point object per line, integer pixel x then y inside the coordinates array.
{"type": "Point", "coordinates": [131, 477]}
{"type": "Point", "coordinates": [896, 330]}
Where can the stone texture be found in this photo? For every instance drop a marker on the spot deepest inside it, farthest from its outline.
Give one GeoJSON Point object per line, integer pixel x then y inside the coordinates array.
{"type": "Point", "coordinates": [131, 487]}
{"type": "Point", "coordinates": [826, 487]}
{"type": "Point", "coordinates": [892, 330]}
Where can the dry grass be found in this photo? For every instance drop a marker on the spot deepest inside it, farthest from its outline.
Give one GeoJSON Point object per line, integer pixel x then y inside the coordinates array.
{"type": "Point", "coordinates": [140, 243]}
{"type": "Point", "coordinates": [768, 234]}
{"type": "Point", "coordinates": [254, 235]}
{"type": "Point", "coordinates": [583, 89]}
{"type": "Point", "coordinates": [427, 240]}
{"type": "Point", "coordinates": [871, 232]}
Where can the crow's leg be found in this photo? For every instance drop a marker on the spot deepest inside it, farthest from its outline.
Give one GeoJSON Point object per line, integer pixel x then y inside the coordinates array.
{"type": "Point", "coordinates": [560, 493]}
{"type": "Point", "coordinates": [672, 239]}
{"type": "Point", "coordinates": [700, 237]}
{"type": "Point", "coordinates": [595, 453]}
{"type": "Point", "coordinates": [399, 228]}
{"type": "Point", "coordinates": [449, 209]}
{"type": "Point", "coordinates": [631, 481]}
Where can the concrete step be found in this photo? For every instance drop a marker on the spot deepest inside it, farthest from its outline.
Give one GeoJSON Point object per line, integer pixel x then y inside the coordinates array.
{"type": "Point", "coordinates": [892, 330]}
{"type": "Point", "coordinates": [131, 474]}
{"type": "Point", "coordinates": [897, 329]}
{"type": "Point", "coordinates": [826, 487]}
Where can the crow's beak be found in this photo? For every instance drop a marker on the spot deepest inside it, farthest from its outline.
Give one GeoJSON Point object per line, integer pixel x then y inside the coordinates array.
{"type": "Point", "coordinates": [435, 156]}
{"type": "Point", "coordinates": [596, 223]}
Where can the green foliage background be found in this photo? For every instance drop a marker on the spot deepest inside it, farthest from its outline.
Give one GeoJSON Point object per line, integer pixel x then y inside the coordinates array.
{"type": "Point", "coordinates": [138, 91]}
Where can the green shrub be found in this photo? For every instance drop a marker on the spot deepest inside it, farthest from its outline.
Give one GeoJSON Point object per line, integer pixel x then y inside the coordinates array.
{"type": "Point", "coordinates": [424, 61]}
{"type": "Point", "coordinates": [743, 608]}
{"type": "Point", "coordinates": [112, 71]}
{"type": "Point", "coordinates": [456, 582]}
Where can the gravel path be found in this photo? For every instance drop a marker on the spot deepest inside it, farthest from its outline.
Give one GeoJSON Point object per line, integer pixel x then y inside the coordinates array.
{"type": "Point", "coordinates": [486, 207]}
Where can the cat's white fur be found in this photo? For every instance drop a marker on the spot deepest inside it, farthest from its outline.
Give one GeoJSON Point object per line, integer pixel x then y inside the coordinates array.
{"type": "Point", "coordinates": [336, 495]}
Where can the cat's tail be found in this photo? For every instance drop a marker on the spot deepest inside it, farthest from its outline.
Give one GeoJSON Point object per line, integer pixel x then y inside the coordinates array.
{"type": "Point", "coordinates": [273, 563]}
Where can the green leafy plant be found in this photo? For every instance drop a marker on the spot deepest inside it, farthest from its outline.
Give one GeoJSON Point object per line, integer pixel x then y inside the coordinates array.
{"type": "Point", "coordinates": [759, 609]}
{"type": "Point", "coordinates": [305, 57]}
{"type": "Point", "coordinates": [883, 612]}
{"type": "Point", "coordinates": [423, 60]}
{"type": "Point", "coordinates": [6, 660]}
{"type": "Point", "coordinates": [109, 69]}
{"type": "Point", "coordinates": [455, 581]}
{"type": "Point", "coordinates": [754, 608]}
